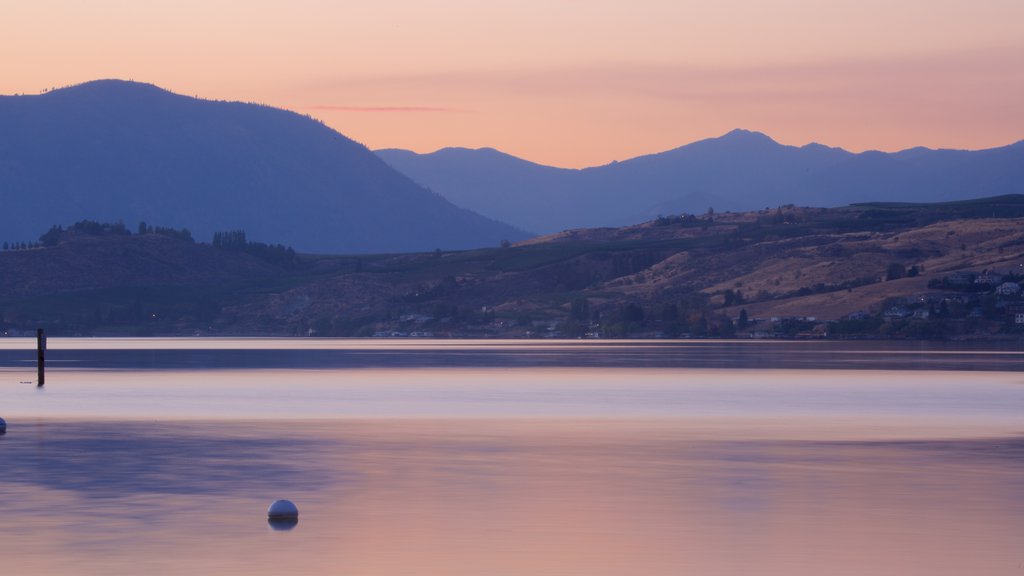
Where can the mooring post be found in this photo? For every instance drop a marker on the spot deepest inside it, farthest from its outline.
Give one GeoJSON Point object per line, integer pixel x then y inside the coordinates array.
{"type": "Point", "coordinates": [41, 356]}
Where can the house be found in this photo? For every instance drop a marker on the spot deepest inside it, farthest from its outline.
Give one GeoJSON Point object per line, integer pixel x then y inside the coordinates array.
{"type": "Point", "coordinates": [1008, 289]}
{"type": "Point", "coordinates": [896, 312]}
{"type": "Point", "coordinates": [778, 319]}
{"type": "Point", "coordinates": [960, 278]}
{"type": "Point", "coordinates": [922, 313]}
{"type": "Point", "coordinates": [416, 318]}
{"type": "Point", "coordinates": [989, 278]}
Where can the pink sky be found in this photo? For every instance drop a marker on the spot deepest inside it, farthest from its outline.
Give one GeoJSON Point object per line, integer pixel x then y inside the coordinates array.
{"type": "Point", "coordinates": [564, 82]}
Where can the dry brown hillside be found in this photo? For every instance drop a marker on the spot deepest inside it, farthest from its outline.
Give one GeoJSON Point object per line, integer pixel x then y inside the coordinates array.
{"type": "Point", "coordinates": [679, 275]}
{"type": "Point", "coordinates": [767, 271]}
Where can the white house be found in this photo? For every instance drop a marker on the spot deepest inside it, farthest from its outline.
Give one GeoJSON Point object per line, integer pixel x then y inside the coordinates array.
{"type": "Point", "coordinates": [1008, 289]}
{"type": "Point", "coordinates": [896, 312]}
{"type": "Point", "coordinates": [990, 278]}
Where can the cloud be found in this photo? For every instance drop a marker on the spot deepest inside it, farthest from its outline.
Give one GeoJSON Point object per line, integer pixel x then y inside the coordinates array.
{"type": "Point", "coordinates": [979, 74]}
{"type": "Point", "coordinates": [429, 109]}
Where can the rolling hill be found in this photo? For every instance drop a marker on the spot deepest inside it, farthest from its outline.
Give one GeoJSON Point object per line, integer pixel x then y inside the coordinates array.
{"type": "Point", "coordinates": [837, 270]}
{"type": "Point", "coordinates": [114, 150]}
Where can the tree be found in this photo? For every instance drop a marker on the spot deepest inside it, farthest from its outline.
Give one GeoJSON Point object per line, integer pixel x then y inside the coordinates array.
{"type": "Point", "coordinates": [52, 236]}
{"type": "Point", "coordinates": [743, 320]}
{"type": "Point", "coordinates": [732, 298]}
{"type": "Point", "coordinates": [895, 271]}
{"type": "Point", "coordinates": [700, 328]}
{"type": "Point", "coordinates": [580, 310]}
{"type": "Point", "coordinates": [231, 239]}
{"type": "Point", "coordinates": [779, 217]}
{"type": "Point", "coordinates": [633, 314]}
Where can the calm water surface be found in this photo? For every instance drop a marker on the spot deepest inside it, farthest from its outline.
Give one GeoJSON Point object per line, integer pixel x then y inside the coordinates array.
{"type": "Point", "coordinates": [442, 457]}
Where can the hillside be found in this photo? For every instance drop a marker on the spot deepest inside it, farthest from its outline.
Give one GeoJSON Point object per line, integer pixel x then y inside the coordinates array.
{"type": "Point", "coordinates": [738, 171]}
{"type": "Point", "coordinates": [871, 270]}
{"type": "Point", "coordinates": [538, 198]}
{"type": "Point", "coordinates": [113, 150]}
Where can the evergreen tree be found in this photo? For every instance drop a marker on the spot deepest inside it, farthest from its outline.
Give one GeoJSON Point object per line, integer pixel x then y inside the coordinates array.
{"type": "Point", "coordinates": [580, 310]}
{"type": "Point", "coordinates": [52, 236]}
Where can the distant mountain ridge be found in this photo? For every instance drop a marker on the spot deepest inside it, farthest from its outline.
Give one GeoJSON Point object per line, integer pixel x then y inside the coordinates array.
{"type": "Point", "coordinates": [741, 170]}
{"type": "Point", "coordinates": [116, 150]}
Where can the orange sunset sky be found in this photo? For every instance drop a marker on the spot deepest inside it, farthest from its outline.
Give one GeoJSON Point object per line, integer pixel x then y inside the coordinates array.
{"type": "Point", "coordinates": [564, 82]}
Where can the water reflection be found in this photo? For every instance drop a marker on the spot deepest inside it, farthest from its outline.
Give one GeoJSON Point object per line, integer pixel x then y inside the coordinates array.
{"type": "Point", "coordinates": [430, 497]}
{"type": "Point", "coordinates": [108, 460]}
{"type": "Point", "coordinates": [282, 524]}
{"type": "Point", "coordinates": [511, 459]}
{"type": "Point", "coordinates": [859, 402]}
{"type": "Point", "coordinates": [302, 354]}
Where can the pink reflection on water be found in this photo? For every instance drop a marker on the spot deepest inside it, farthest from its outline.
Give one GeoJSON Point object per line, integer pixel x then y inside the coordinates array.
{"type": "Point", "coordinates": [525, 470]}
{"type": "Point", "coordinates": [542, 497]}
{"type": "Point", "coordinates": [775, 402]}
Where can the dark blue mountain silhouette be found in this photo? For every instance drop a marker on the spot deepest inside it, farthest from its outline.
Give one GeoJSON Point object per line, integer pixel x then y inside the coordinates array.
{"type": "Point", "coordinates": [741, 170]}
{"type": "Point", "coordinates": [115, 150]}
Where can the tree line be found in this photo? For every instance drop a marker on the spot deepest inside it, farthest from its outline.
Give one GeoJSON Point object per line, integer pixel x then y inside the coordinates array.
{"type": "Point", "coordinates": [277, 254]}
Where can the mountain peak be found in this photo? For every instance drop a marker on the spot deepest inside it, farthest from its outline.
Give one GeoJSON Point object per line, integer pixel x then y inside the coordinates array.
{"type": "Point", "coordinates": [120, 150]}
{"type": "Point", "coordinates": [109, 92]}
{"type": "Point", "coordinates": [741, 135]}
{"type": "Point", "coordinates": [110, 85]}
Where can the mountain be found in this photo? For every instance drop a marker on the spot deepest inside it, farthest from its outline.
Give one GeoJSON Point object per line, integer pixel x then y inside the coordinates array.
{"type": "Point", "coordinates": [741, 170]}
{"type": "Point", "coordinates": [851, 266]}
{"type": "Point", "coordinates": [115, 150]}
{"type": "Point", "coordinates": [540, 198]}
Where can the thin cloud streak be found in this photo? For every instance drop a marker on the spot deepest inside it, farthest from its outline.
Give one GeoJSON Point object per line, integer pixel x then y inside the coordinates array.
{"type": "Point", "coordinates": [333, 108]}
{"type": "Point", "coordinates": [799, 81]}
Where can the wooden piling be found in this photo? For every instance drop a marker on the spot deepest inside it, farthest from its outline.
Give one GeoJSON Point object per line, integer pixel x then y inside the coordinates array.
{"type": "Point", "coordinates": [41, 356]}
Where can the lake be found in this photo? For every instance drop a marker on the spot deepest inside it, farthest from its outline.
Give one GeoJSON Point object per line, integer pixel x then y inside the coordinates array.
{"type": "Point", "coordinates": [161, 456]}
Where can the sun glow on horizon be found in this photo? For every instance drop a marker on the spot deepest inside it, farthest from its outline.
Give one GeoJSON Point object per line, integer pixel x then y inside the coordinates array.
{"type": "Point", "coordinates": [567, 83]}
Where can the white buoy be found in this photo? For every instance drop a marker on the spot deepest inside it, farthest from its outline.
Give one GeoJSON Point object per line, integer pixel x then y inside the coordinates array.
{"type": "Point", "coordinates": [282, 510]}
{"type": "Point", "coordinates": [3, 426]}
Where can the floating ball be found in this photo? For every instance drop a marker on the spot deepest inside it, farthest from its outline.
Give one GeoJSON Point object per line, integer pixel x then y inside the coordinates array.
{"type": "Point", "coordinates": [282, 509]}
